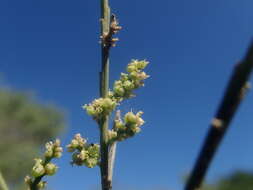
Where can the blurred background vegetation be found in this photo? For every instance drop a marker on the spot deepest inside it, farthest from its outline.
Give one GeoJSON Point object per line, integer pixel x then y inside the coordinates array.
{"type": "Point", "coordinates": [237, 180]}
{"type": "Point", "coordinates": [25, 126]}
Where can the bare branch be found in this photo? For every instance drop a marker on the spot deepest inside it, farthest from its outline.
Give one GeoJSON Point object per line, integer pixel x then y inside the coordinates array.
{"type": "Point", "coordinates": [233, 96]}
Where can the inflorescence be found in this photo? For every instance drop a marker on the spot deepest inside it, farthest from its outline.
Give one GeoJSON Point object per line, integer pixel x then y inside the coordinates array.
{"type": "Point", "coordinates": [89, 154]}
{"type": "Point", "coordinates": [43, 167]}
{"type": "Point", "coordinates": [84, 153]}
{"type": "Point", "coordinates": [123, 89]}
{"type": "Point", "coordinates": [128, 128]}
{"type": "Point", "coordinates": [107, 39]}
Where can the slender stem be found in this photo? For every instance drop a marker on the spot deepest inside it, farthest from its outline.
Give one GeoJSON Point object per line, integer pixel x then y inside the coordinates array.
{"type": "Point", "coordinates": [104, 86]}
{"type": "Point", "coordinates": [111, 159]}
{"type": "Point", "coordinates": [3, 185]}
{"type": "Point", "coordinates": [233, 96]}
{"type": "Point", "coordinates": [112, 150]}
{"type": "Point", "coordinates": [37, 180]}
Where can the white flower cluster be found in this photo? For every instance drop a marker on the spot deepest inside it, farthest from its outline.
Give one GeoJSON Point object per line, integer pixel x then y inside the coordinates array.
{"type": "Point", "coordinates": [99, 107]}
{"type": "Point", "coordinates": [123, 88]}
{"type": "Point", "coordinates": [84, 153]}
{"type": "Point", "coordinates": [44, 167]}
{"type": "Point", "coordinates": [128, 128]}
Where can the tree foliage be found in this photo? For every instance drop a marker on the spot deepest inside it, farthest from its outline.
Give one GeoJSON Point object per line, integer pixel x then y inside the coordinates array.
{"type": "Point", "coordinates": [238, 180]}
{"type": "Point", "coordinates": [25, 125]}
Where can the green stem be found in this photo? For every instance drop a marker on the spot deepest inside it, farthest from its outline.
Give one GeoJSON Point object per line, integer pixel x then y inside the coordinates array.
{"type": "Point", "coordinates": [3, 185]}
{"type": "Point", "coordinates": [112, 150]}
{"type": "Point", "coordinates": [104, 87]}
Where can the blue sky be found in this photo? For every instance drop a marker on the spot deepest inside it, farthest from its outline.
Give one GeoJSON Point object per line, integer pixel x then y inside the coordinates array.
{"type": "Point", "coordinates": [51, 48]}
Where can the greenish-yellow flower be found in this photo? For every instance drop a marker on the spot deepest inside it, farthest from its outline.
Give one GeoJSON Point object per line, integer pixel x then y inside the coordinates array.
{"type": "Point", "coordinates": [51, 169]}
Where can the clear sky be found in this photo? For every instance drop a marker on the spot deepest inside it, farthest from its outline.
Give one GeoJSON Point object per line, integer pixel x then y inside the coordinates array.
{"type": "Point", "coordinates": [51, 47]}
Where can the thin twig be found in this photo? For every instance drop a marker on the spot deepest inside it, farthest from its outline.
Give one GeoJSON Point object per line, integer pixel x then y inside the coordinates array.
{"type": "Point", "coordinates": [232, 98]}
{"type": "Point", "coordinates": [111, 160]}
{"type": "Point", "coordinates": [3, 185]}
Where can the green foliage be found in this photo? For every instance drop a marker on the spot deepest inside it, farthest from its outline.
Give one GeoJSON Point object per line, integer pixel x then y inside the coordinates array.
{"type": "Point", "coordinates": [24, 126]}
{"type": "Point", "coordinates": [238, 180]}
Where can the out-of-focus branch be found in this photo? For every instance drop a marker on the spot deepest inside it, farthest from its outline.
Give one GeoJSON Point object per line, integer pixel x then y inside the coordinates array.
{"type": "Point", "coordinates": [3, 185]}
{"type": "Point", "coordinates": [233, 96]}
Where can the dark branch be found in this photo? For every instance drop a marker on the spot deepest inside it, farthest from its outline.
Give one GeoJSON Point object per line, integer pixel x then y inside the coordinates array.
{"type": "Point", "coordinates": [233, 96]}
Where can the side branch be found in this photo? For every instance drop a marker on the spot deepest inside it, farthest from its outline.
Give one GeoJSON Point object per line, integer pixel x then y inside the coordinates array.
{"type": "Point", "coordinates": [233, 96]}
{"type": "Point", "coordinates": [112, 150]}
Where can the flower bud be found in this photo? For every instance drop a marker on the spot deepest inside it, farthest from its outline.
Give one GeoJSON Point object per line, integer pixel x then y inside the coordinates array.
{"type": "Point", "coordinates": [135, 129]}
{"type": "Point", "coordinates": [48, 153]}
{"type": "Point", "coordinates": [83, 154]}
{"type": "Point", "coordinates": [108, 104]}
{"type": "Point", "coordinates": [123, 77]}
{"type": "Point", "coordinates": [49, 146]}
{"type": "Point", "coordinates": [42, 185]}
{"type": "Point", "coordinates": [57, 143]}
{"type": "Point", "coordinates": [51, 169]}
{"type": "Point", "coordinates": [28, 180]}
{"type": "Point", "coordinates": [130, 118]}
{"type": "Point", "coordinates": [81, 141]}
{"type": "Point", "coordinates": [90, 110]}
{"type": "Point", "coordinates": [57, 154]}
{"type": "Point", "coordinates": [128, 85]}
{"type": "Point", "coordinates": [76, 159]}
{"type": "Point", "coordinates": [112, 134]}
{"type": "Point", "coordinates": [142, 76]}
{"type": "Point", "coordinates": [133, 75]}
{"type": "Point", "coordinates": [91, 162]}
{"type": "Point", "coordinates": [74, 143]}
{"type": "Point", "coordinates": [142, 64]}
{"type": "Point", "coordinates": [119, 90]}
{"type": "Point", "coordinates": [131, 68]}
{"type": "Point", "coordinates": [93, 150]}
{"type": "Point", "coordinates": [118, 125]}
{"type": "Point", "coordinates": [58, 149]}
{"type": "Point", "coordinates": [38, 170]}
{"type": "Point", "coordinates": [140, 121]}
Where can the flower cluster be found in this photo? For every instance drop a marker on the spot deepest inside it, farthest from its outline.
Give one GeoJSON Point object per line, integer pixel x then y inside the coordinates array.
{"type": "Point", "coordinates": [53, 149]}
{"type": "Point", "coordinates": [99, 107]}
{"type": "Point", "coordinates": [44, 167]}
{"type": "Point", "coordinates": [84, 153]}
{"type": "Point", "coordinates": [107, 39]}
{"type": "Point", "coordinates": [124, 87]}
{"type": "Point", "coordinates": [128, 128]}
